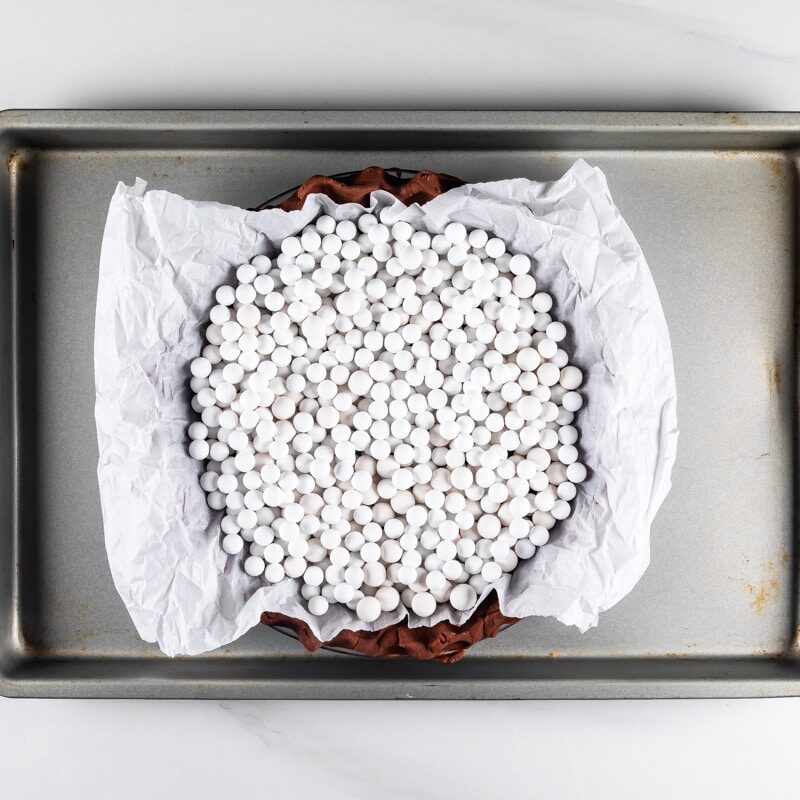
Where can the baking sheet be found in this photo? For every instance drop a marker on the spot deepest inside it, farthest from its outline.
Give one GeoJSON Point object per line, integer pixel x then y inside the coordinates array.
{"type": "Point", "coordinates": [712, 200]}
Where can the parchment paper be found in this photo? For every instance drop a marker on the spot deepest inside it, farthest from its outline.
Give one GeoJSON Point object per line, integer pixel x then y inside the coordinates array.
{"type": "Point", "coordinates": [162, 258]}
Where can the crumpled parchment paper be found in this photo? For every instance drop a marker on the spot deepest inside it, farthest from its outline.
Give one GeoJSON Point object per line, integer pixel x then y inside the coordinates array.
{"type": "Point", "coordinates": [162, 258]}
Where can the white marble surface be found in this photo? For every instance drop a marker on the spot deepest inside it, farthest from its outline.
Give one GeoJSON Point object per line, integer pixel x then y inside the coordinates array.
{"type": "Point", "coordinates": [130, 750]}
{"type": "Point", "coordinates": [551, 54]}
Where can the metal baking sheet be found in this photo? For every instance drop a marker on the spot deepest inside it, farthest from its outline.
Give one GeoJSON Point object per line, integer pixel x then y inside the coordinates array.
{"type": "Point", "coordinates": [713, 202]}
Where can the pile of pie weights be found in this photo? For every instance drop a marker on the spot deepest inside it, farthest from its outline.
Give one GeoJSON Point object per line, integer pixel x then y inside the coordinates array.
{"type": "Point", "coordinates": [386, 416]}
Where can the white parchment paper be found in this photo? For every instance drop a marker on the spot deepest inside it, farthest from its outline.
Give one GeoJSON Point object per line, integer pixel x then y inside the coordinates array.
{"type": "Point", "coordinates": [162, 258]}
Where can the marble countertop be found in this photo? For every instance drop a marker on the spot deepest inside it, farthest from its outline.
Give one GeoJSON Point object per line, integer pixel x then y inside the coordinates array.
{"type": "Point", "coordinates": [708, 55]}
{"type": "Point", "coordinates": [127, 750]}
{"type": "Point", "coordinates": [515, 54]}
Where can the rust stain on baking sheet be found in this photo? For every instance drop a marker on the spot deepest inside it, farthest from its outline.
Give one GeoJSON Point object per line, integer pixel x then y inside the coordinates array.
{"type": "Point", "coordinates": [15, 161]}
{"type": "Point", "coordinates": [764, 592]}
{"type": "Point", "coordinates": [553, 654]}
{"type": "Point", "coordinates": [775, 374]}
{"type": "Point", "coordinates": [83, 634]}
{"type": "Point", "coordinates": [83, 638]}
{"type": "Point", "coordinates": [775, 166]}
